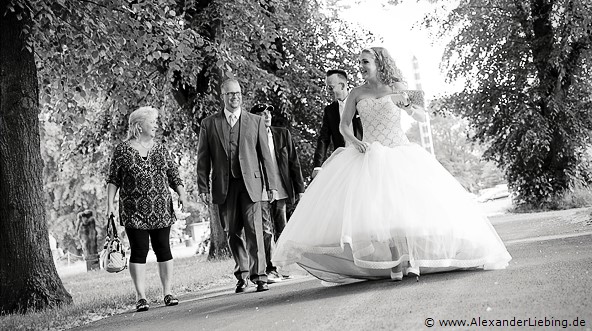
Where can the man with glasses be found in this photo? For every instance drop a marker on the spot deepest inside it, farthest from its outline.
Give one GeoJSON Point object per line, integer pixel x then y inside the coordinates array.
{"type": "Point", "coordinates": [233, 148]}
{"type": "Point", "coordinates": [336, 83]}
{"type": "Point", "coordinates": [290, 185]}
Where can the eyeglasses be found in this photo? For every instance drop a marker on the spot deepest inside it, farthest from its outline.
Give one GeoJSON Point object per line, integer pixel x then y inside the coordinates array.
{"type": "Point", "coordinates": [330, 88]}
{"type": "Point", "coordinates": [232, 94]}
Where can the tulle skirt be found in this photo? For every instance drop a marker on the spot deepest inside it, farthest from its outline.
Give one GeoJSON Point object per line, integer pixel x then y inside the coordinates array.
{"type": "Point", "coordinates": [367, 213]}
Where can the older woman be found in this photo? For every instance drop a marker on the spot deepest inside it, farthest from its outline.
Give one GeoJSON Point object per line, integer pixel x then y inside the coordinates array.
{"type": "Point", "coordinates": [142, 170]}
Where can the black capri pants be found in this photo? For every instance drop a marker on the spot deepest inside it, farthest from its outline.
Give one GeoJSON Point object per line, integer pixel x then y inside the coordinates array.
{"type": "Point", "coordinates": [139, 244]}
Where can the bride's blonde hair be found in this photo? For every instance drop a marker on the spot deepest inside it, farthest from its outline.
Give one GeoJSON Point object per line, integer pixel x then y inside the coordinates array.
{"type": "Point", "coordinates": [387, 70]}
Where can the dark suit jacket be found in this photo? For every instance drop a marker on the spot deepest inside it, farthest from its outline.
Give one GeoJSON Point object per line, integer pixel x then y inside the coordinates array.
{"type": "Point", "coordinates": [212, 156]}
{"type": "Point", "coordinates": [288, 163]}
{"type": "Point", "coordinates": [330, 132]}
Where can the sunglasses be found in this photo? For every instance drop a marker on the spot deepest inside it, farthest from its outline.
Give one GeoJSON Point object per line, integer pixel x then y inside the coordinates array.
{"type": "Point", "coordinates": [263, 107]}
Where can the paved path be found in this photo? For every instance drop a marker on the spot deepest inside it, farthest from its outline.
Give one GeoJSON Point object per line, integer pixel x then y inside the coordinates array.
{"type": "Point", "coordinates": [547, 286]}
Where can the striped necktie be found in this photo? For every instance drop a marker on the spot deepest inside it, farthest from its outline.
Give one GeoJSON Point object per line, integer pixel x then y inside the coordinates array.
{"type": "Point", "coordinates": [233, 119]}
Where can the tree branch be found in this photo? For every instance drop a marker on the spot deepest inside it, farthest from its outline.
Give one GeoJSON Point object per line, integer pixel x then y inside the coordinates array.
{"type": "Point", "coordinates": [103, 6]}
{"type": "Point", "coordinates": [571, 61]}
{"type": "Point", "coordinates": [523, 19]}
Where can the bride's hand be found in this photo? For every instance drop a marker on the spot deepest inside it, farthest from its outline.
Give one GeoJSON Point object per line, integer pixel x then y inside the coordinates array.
{"type": "Point", "coordinates": [402, 98]}
{"type": "Point", "coordinates": [361, 146]}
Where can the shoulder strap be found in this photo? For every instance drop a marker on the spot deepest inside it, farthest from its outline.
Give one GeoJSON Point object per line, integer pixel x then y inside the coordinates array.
{"type": "Point", "coordinates": [111, 226]}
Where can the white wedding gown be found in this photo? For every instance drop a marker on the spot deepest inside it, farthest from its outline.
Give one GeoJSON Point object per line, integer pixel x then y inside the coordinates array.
{"type": "Point", "coordinates": [393, 206]}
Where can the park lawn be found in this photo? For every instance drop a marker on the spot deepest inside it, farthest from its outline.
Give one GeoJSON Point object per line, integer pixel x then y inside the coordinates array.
{"type": "Point", "coordinates": [98, 294]}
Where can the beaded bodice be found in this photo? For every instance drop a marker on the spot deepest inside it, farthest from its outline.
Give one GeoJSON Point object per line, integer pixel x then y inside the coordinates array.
{"type": "Point", "coordinates": [381, 120]}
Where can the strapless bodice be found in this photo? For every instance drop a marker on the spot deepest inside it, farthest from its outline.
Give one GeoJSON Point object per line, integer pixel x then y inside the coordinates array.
{"type": "Point", "coordinates": [381, 120]}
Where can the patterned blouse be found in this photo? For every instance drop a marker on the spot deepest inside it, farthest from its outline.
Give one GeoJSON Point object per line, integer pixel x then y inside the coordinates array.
{"type": "Point", "coordinates": [145, 201]}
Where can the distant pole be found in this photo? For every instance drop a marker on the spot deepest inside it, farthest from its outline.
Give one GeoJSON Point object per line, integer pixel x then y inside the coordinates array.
{"type": "Point", "coordinates": [425, 130]}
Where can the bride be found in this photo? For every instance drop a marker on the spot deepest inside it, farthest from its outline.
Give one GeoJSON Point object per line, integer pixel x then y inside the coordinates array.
{"type": "Point", "coordinates": [383, 207]}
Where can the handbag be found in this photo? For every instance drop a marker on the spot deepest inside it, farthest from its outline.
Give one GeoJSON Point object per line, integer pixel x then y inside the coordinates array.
{"type": "Point", "coordinates": [113, 257]}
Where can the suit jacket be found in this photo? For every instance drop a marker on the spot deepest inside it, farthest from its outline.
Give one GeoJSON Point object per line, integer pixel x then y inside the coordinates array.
{"type": "Point", "coordinates": [287, 161]}
{"type": "Point", "coordinates": [213, 156]}
{"type": "Point", "coordinates": [330, 132]}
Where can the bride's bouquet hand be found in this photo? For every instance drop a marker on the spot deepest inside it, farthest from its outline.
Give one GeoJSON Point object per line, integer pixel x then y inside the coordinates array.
{"type": "Point", "coordinates": [402, 98]}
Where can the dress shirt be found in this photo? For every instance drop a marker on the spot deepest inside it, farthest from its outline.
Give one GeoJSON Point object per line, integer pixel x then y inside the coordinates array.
{"type": "Point", "coordinates": [236, 113]}
{"type": "Point", "coordinates": [341, 107]}
{"type": "Point", "coordinates": [341, 110]}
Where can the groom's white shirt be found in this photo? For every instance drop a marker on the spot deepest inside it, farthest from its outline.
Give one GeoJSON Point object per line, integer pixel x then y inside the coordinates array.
{"type": "Point", "coordinates": [236, 113]}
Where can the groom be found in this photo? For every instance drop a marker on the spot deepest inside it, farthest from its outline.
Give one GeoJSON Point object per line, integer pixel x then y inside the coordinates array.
{"type": "Point", "coordinates": [336, 83]}
{"type": "Point", "coordinates": [232, 144]}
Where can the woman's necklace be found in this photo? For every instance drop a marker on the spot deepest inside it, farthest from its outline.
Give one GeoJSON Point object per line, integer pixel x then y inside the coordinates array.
{"type": "Point", "coordinates": [150, 144]}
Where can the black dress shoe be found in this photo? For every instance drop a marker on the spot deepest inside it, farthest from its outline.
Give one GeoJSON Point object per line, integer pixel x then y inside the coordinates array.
{"type": "Point", "coordinates": [262, 286]}
{"type": "Point", "coordinates": [241, 286]}
{"type": "Point", "coordinates": [142, 305]}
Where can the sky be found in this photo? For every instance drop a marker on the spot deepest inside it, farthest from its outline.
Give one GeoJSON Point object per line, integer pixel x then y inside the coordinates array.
{"type": "Point", "coordinates": [395, 24]}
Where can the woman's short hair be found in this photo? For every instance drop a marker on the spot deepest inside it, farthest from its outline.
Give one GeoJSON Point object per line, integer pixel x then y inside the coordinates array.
{"type": "Point", "coordinates": [387, 70]}
{"type": "Point", "coordinates": [137, 117]}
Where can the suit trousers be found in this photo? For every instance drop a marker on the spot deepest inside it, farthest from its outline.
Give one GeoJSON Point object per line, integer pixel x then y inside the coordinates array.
{"type": "Point", "coordinates": [274, 222]}
{"type": "Point", "coordinates": [238, 213]}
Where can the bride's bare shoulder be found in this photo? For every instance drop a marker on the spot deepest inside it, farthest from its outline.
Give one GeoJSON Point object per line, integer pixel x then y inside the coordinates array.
{"type": "Point", "coordinates": [360, 92]}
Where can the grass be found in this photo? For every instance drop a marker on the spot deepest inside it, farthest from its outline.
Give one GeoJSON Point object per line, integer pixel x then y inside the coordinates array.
{"type": "Point", "coordinates": [98, 294]}
{"type": "Point", "coordinates": [577, 197]}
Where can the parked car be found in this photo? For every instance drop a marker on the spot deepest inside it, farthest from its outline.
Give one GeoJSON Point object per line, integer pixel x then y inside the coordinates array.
{"type": "Point", "coordinates": [498, 192]}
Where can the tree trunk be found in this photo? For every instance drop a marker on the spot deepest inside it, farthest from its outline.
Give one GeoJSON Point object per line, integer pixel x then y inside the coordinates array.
{"type": "Point", "coordinates": [187, 96]}
{"type": "Point", "coordinates": [28, 277]}
{"type": "Point", "coordinates": [552, 94]}
{"type": "Point", "coordinates": [87, 234]}
{"type": "Point", "coordinates": [219, 248]}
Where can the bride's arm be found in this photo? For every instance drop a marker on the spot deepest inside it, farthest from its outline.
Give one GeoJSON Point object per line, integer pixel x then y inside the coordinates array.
{"type": "Point", "coordinates": [411, 101]}
{"type": "Point", "coordinates": [416, 103]}
{"type": "Point", "coordinates": [346, 119]}
{"type": "Point", "coordinates": [417, 112]}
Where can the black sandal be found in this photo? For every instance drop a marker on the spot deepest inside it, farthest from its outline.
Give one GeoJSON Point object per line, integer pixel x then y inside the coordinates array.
{"type": "Point", "coordinates": [142, 305]}
{"type": "Point", "coordinates": [170, 300]}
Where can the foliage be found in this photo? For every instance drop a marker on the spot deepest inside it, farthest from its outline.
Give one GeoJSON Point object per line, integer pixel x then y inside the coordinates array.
{"type": "Point", "coordinates": [96, 61]}
{"type": "Point", "coordinates": [454, 149]}
{"type": "Point", "coordinates": [70, 177]}
{"type": "Point", "coordinates": [279, 52]}
{"type": "Point", "coordinates": [527, 94]}
{"type": "Point", "coordinates": [578, 196]}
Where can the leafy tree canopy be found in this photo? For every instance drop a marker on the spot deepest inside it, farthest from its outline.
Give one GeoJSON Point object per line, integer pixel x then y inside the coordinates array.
{"type": "Point", "coordinates": [526, 69]}
{"type": "Point", "coordinates": [98, 61]}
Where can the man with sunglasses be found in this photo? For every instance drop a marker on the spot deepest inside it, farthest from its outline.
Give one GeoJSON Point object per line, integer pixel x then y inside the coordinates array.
{"type": "Point", "coordinates": [290, 184]}
{"type": "Point", "coordinates": [233, 148]}
{"type": "Point", "coordinates": [336, 84]}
